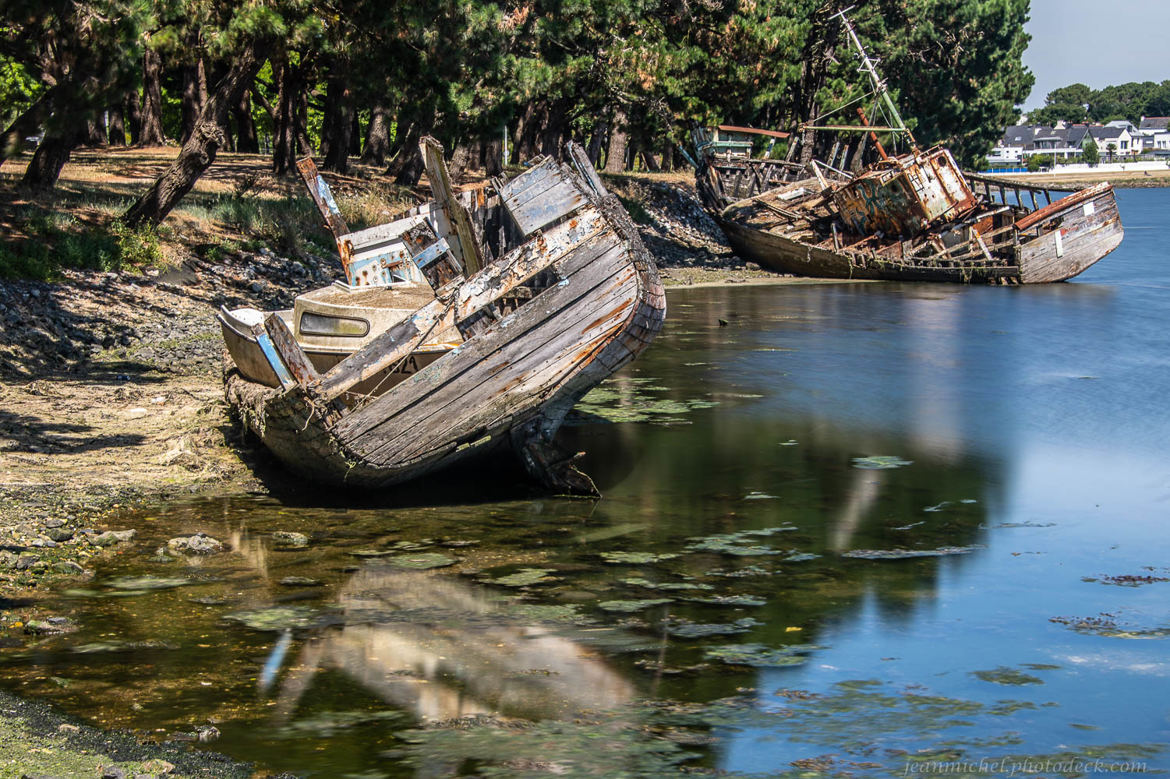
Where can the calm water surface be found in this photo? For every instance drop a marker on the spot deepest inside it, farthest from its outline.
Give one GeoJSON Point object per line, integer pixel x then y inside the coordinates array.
{"type": "Point", "coordinates": [743, 599]}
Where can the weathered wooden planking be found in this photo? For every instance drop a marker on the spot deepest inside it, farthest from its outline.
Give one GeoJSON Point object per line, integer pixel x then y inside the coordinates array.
{"type": "Point", "coordinates": [523, 386]}
{"type": "Point", "coordinates": [1088, 230]}
{"type": "Point", "coordinates": [547, 207]}
{"type": "Point", "coordinates": [556, 343]}
{"type": "Point", "coordinates": [322, 197]}
{"type": "Point", "coordinates": [585, 168]}
{"type": "Point", "coordinates": [606, 252]}
{"type": "Point", "coordinates": [560, 369]}
{"type": "Point", "coordinates": [465, 246]}
{"type": "Point", "coordinates": [516, 268]}
{"type": "Point", "coordinates": [291, 354]}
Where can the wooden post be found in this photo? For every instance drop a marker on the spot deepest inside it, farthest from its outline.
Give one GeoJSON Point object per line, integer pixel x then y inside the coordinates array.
{"type": "Point", "coordinates": [465, 245]}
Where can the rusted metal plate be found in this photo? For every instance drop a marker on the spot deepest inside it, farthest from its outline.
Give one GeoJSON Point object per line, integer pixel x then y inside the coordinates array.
{"type": "Point", "coordinates": [905, 196]}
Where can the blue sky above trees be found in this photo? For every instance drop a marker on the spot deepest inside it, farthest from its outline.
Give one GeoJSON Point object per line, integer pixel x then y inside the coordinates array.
{"type": "Point", "coordinates": [1095, 43]}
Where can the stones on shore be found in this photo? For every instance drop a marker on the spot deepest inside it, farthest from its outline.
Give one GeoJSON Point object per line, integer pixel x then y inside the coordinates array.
{"type": "Point", "coordinates": [287, 539]}
{"type": "Point", "coordinates": [111, 537]}
{"type": "Point", "coordinates": [199, 544]}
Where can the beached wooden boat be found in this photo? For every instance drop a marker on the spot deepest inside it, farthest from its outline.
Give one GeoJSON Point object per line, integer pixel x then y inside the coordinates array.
{"type": "Point", "coordinates": [908, 217]}
{"type": "Point", "coordinates": [991, 232]}
{"type": "Point", "coordinates": [474, 322]}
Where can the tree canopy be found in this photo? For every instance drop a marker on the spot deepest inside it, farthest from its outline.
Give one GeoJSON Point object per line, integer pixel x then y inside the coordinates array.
{"type": "Point", "coordinates": [628, 78]}
{"type": "Point", "coordinates": [1079, 103]}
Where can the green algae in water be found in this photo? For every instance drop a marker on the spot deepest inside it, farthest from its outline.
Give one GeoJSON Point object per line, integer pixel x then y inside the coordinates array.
{"type": "Point", "coordinates": [630, 606]}
{"type": "Point", "coordinates": [525, 577]}
{"type": "Point", "coordinates": [638, 581]}
{"type": "Point", "coordinates": [1005, 675]}
{"type": "Point", "coordinates": [880, 462]}
{"type": "Point", "coordinates": [148, 583]}
{"type": "Point", "coordinates": [736, 543]}
{"type": "Point", "coordinates": [277, 618]}
{"type": "Point", "coordinates": [759, 656]}
{"type": "Point", "coordinates": [635, 558]}
{"type": "Point", "coordinates": [902, 554]}
{"type": "Point", "coordinates": [552, 613]}
{"type": "Point", "coordinates": [729, 600]}
{"type": "Point", "coordinates": [625, 400]}
{"type": "Point", "coordinates": [686, 629]}
{"type": "Point", "coordinates": [421, 562]}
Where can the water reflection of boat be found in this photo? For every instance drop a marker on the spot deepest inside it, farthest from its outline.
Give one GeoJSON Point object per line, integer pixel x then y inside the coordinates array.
{"type": "Point", "coordinates": [535, 290]}
{"type": "Point", "coordinates": [440, 649]}
{"type": "Point", "coordinates": [909, 217]}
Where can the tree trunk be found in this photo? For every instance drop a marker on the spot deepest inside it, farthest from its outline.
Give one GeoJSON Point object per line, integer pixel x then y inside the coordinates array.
{"type": "Point", "coordinates": [194, 96]}
{"type": "Point", "coordinates": [25, 125]}
{"type": "Point", "coordinates": [550, 136]}
{"type": "Point", "coordinates": [94, 135]}
{"type": "Point", "coordinates": [596, 142]}
{"type": "Point", "coordinates": [377, 137]}
{"type": "Point", "coordinates": [355, 132]}
{"type": "Point", "coordinates": [50, 157]}
{"type": "Point", "coordinates": [668, 154]}
{"type": "Point", "coordinates": [619, 139]}
{"type": "Point", "coordinates": [285, 127]}
{"type": "Point", "coordinates": [337, 124]}
{"type": "Point", "coordinates": [407, 167]}
{"type": "Point", "coordinates": [246, 139]}
{"type": "Point", "coordinates": [199, 152]}
{"type": "Point", "coordinates": [132, 111]}
{"type": "Point", "coordinates": [493, 155]}
{"type": "Point", "coordinates": [151, 132]}
{"type": "Point", "coordinates": [117, 126]}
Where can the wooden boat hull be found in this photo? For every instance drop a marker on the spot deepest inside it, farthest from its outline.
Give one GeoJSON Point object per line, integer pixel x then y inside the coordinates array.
{"type": "Point", "coordinates": [511, 384]}
{"type": "Point", "coordinates": [1053, 243]}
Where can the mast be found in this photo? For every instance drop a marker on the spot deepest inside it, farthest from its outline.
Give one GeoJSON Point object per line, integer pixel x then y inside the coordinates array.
{"type": "Point", "coordinates": [879, 84]}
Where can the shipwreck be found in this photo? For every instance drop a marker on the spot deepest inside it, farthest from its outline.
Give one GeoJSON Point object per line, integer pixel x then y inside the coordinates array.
{"type": "Point", "coordinates": [910, 217]}
{"type": "Point", "coordinates": [472, 323]}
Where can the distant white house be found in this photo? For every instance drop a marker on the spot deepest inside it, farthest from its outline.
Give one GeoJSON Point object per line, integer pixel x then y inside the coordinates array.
{"type": "Point", "coordinates": [1154, 132]}
{"type": "Point", "coordinates": [1122, 139]}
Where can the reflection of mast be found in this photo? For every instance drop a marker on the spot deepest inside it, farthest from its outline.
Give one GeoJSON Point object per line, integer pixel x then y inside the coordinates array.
{"type": "Point", "coordinates": [863, 492]}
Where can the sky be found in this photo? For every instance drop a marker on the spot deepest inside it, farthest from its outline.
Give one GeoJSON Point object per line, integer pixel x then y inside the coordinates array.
{"type": "Point", "coordinates": [1096, 42]}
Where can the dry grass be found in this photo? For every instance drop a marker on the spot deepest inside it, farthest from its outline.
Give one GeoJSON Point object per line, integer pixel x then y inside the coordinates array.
{"type": "Point", "coordinates": [237, 203]}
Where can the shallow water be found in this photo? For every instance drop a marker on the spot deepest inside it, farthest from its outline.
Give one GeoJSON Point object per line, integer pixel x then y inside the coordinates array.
{"type": "Point", "coordinates": [859, 528]}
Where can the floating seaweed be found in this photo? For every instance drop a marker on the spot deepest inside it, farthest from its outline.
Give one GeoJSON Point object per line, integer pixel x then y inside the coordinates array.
{"type": "Point", "coordinates": [1006, 675]}
{"type": "Point", "coordinates": [880, 462]}
{"type": "Point", "coordinates": [729, 600]}
{"type": "Point", "coordinates": [276, 619]}
{"type": "Point", "coordinates": [525, 577]}
{"type": "Point", "coordinates": [635, 558]}
{"type": "Point", "coordinates": [687, 629]}
{"type": "Point", "coordinates": [638, 581]}
{"type": "Point", "coordinates": [422, 561]}
{"type": "Point", "coordinates": [760, 656]}
{"type": "Point", "coordinates": [902, 554]}
{"type": "Point", "coordinates": [630, 606]}
{"type": "Point", "coordinates": [735, 543]}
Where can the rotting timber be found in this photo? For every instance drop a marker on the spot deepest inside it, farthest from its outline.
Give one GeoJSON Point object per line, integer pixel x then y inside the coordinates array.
{"type": "Point", "coordinates": [909, 217]}
{"type": "Point", "coordinates": [539, 289]}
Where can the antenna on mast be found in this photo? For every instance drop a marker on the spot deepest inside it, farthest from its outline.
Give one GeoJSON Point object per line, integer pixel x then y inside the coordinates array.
{"type": "Point", "coordinates": [879, 84]}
